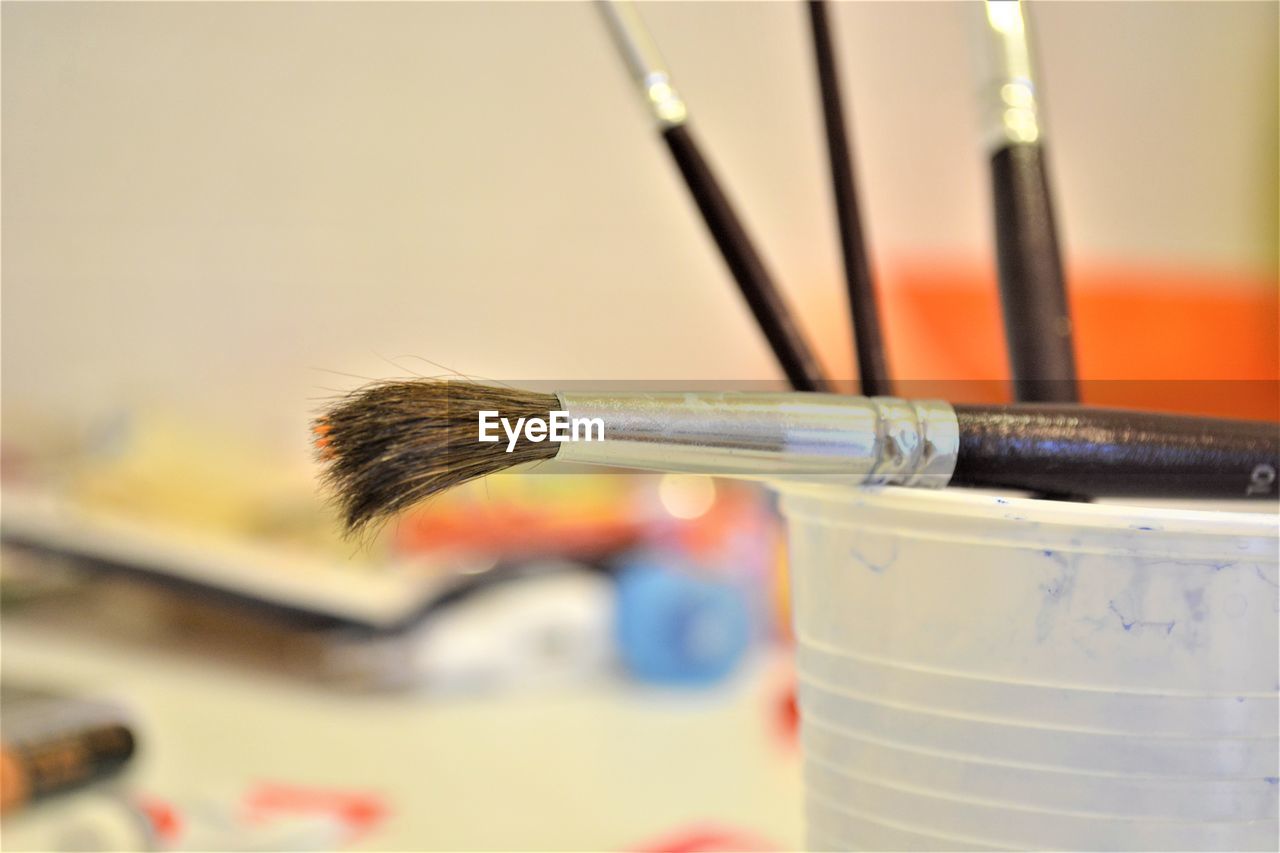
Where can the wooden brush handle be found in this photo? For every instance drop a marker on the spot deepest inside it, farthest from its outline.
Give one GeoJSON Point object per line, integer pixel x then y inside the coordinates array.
{"type": "Point", "coordinates": [772, 314]}
{"type": "Point", "coordinates": [1076, 450]}
{"type": "Point", "coordinates": [1033, 292]}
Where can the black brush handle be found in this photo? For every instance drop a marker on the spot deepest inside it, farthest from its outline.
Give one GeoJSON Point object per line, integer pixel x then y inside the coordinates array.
{"type": "Point", "coordinates": [868, 340]}
{"type": "Point", "coordinates": [1112, 452]}
{"type": "Point", "coordinates": [771, 312]}
{"type": "Point", "coordinates": [1033, 292]}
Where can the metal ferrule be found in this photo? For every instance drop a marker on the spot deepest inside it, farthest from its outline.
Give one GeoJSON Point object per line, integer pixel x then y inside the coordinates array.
{"type": "Point", "coordinates": [638, 51]}
{"type": "Point", "coordinates": [1007, 89]}
{"type": "Point", "coordinates": [805, 437]}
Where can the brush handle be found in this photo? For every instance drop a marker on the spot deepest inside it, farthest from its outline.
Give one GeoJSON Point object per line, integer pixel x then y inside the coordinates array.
{"type": "Point", "coordinates": [831, 438]}
{"type": "Point", "coordinates": [1033, 291]}
{"type": "Point", "coordinates": [640, 54]}
{"type": "Point", "coordinates": [868, 340]}
{"type": "Point", "coordinates": [1111, 452]}
{"type": "Point", "coordinates": [754, 281]}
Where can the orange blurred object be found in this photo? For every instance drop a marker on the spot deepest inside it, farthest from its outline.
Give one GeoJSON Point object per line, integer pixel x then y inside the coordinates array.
{"type": "Point", "coordinates": [516, 530]}
{"type": "Point", "coordinates": [1179, 341]}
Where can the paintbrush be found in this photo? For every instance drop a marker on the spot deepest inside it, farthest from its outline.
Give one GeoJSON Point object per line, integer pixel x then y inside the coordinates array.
{"type": "Point", "coordinates": [1032, 285]}
{"type": "Point", "coordinates": [783, 332]}
{"type": "Point", "coordinates": [391, 444]}
{"type": "Point", "coordinates": [868, 340]}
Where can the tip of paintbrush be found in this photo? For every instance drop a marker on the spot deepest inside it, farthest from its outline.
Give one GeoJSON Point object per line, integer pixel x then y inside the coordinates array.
{"type": "Point", "coordinates": [389, 445]}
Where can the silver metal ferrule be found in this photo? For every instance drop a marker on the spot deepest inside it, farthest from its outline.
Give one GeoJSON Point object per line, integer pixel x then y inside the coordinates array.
{"type": "Point", "coordinates": [1006, 82]}
{"type": "Point", "coordinates": [638, 51]}
{"type": "Point", "coordinates": [804, 437]}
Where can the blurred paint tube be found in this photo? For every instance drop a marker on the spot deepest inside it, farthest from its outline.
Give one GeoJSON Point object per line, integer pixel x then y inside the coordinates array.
{"type": "Point", "coordinates": [548, 626]}
{"type": "Point", "coordinates": [676, 628]}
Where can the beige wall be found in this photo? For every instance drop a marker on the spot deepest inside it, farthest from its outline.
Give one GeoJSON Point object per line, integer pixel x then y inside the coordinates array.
{"type": "Point", "coordinates": [202, 204]}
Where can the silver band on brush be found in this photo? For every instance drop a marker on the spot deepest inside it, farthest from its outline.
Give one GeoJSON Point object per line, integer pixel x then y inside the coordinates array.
{"type": "Point", "coordinates": [638, 51]}
{"type": "Point", "coordinates": [808, 437]}
{"type": "Point", "coordinates": [1007, 89]}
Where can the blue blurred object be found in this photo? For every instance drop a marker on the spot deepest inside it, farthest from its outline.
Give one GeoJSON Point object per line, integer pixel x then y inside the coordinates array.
{"type": "Point", "coordinates": [675, 628]}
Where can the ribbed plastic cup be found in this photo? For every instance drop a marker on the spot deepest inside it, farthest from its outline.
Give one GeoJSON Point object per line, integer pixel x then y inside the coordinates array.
{"type": "Point", "coordinates": [994, 672]}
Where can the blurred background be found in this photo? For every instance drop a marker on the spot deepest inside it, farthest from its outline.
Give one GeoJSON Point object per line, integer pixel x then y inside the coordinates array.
{"type": "Point", "coordinates": [216, 216]}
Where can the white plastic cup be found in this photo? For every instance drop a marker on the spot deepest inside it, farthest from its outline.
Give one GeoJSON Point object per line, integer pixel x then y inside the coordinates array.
{"type": "Point", "coordinates": [988, 671]}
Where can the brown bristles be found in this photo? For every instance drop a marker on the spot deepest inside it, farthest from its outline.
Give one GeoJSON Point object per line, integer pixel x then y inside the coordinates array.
{"type": "Point", "coordinates": [389, 445]}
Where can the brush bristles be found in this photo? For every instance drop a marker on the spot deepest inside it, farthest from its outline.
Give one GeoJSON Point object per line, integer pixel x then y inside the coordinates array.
{"type": "Point", "coordinates": [389, 445]}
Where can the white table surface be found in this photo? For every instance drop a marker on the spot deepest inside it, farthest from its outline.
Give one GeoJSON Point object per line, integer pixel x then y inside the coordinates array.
{"type": "Point", "coordinates": [603, 766]}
